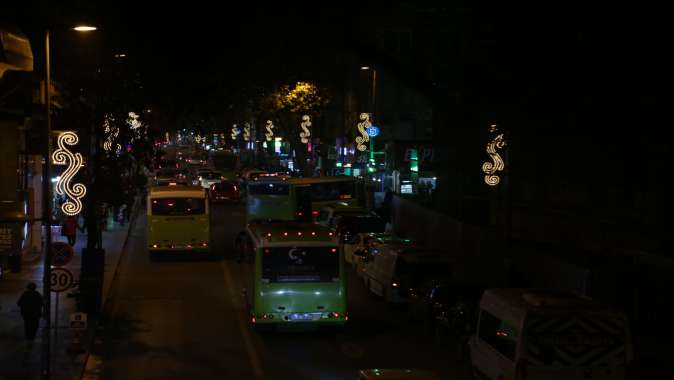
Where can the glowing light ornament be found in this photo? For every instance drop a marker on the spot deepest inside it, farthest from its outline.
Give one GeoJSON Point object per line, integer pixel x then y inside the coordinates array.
{"type": "Point", "coordinates": [306, 123]}
{"type": "Point", "coordinates": [270, 131]}
{"type": "Point", "coordinates": [63, 156]}
{"type": "Point", "coordinates": [235, 132]}
{"type": "Point", "coordinates": [362, 129]}
{"type": "Point", "coordinates": [112, 133]}
{"type": "Point", "coordinates": [133, 121]}
{"type": "Point", "coordinates": [246, 132]}
{"type": "Point", "coordinates": [490, 168]}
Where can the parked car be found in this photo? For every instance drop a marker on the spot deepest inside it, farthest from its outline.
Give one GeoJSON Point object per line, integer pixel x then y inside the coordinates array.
{"type": "Point", "coordinates": [396, 374]}
{"type": "Point", "coordinates": [206, 179]}
{"type": "Point", "coordinates": [368, 243]}
{"type": "Point", "coordinates": [327, 214]}
{"type": "Point", "coordinates": [549, 334]}
{"type": "Point", "coordinates": [349, 228]}
{"type": "Point", "coordinates": [395, 269]}
{"type": "Point", "coordinates": [447, 308]}
{"type": "Point", "coordinates": [225, 191]}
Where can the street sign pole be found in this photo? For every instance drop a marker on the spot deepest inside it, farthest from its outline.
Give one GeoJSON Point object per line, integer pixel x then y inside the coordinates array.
{"type": "Point", "coordinates": [56, 322]}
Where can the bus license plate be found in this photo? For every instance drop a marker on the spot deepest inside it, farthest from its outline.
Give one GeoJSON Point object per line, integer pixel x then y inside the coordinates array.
{"type": "Point", "coordinates": [301, 317]}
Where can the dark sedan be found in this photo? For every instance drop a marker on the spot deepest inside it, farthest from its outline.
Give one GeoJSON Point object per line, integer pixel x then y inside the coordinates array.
{"type": "Point", "coordinates": [224, 191]}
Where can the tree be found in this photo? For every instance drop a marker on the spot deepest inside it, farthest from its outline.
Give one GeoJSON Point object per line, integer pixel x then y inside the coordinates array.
{"type": "Point", "coordinates": [287, 104]}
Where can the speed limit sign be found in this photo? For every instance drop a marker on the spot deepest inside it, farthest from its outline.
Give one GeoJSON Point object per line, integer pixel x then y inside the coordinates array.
{"type": "Point", "coordinates": [61, 280]}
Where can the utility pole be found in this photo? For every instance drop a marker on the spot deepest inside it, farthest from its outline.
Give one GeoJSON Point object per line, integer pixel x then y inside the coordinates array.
{"type": "Point", "coordinates": [47, 220]}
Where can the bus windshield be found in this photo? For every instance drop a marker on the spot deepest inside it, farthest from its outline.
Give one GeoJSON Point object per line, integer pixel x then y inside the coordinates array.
{"type": "Point", "coordinates": [268, 189]}
{"type": "Point", "coordinates": [178, 206]}
{"type": "Point", "coordinates": [332, 191]}
{"type": "Point", "coordinates": [300, 264]}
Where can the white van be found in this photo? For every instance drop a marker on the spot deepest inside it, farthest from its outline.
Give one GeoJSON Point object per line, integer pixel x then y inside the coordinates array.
{"type": "Point", "coordinates": [529, 334]}
{"type": "Point", "coordinates": [365, 244]}
{"type": "Point", "coordinates": [394, 270]}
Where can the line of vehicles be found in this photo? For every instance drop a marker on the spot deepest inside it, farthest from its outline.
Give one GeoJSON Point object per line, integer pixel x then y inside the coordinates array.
{"type": "Point", "coordinates": [304, 236]}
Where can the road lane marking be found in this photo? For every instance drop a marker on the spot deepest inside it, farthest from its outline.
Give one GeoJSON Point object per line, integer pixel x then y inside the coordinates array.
{"type": "Point", "coordinates": [243, 326]}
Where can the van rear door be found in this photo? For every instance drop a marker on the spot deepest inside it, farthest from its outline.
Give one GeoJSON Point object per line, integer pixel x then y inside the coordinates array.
{"type": "Point", "coordinates": [583, 345]}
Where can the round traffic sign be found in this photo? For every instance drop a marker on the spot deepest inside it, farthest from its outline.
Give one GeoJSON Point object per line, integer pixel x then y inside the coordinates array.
{"type": "Point", "coordinates": [62, 253]}
{"type": "Point", "coordinates": [373, 131]}
{"type": "Point", "coordinates": [61, 280]}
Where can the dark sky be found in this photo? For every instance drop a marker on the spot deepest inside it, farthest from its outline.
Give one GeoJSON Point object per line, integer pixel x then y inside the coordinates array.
{"type": "Point", "coordinates": [185, 50]}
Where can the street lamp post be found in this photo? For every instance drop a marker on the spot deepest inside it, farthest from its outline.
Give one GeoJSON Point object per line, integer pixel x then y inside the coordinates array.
{"type": "Point", "coordinates": [47, 220]}
{"type": "Point", "coordinates": [47, 209]}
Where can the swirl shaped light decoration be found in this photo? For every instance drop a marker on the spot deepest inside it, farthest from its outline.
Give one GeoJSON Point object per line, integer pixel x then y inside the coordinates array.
{"type": "Point", "coordinates": [270, 131]}
{"type": "Point", "coordinates": [497, 164]}
{"type": "Point", "coordinates": [112, 132]}
{"type": "Point", "coordinates": [63, 156]}
{"type": "Point", "coordinates": [306, 133]}
{"type": "Point", "coordinates": [362, 129]}
{"type": "Point", "coordinates": [246, 132]}
{"type": "Point", "coordinates": [235, 132]}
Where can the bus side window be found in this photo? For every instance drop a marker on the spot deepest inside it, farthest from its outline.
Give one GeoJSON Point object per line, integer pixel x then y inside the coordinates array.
{"type": "Point", "coordinates": [498, 334]}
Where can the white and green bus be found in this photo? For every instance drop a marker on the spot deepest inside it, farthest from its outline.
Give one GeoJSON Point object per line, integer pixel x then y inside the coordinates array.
{"type": "Point", "coordinates": [298, 275]}
{"type": "Point", "coordinates": [178, 220]}
{"type": "Point", "coordinates": [288, 199]}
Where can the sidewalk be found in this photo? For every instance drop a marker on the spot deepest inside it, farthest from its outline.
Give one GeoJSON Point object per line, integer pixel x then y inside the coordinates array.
{"type": "Point", "coordinates": [18, 360]}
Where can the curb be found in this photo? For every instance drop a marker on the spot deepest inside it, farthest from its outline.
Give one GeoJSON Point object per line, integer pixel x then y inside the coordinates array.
{"type": "Point", "coordinates": [92, 339]}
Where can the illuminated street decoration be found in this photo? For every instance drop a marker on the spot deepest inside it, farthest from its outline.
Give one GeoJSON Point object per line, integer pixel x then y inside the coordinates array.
{"type": "Point", "coordinates": [112, 132]}
{"type": "Point", "coordinates": [270, 131]}
{"type": "Point", "coordinates": [305, 134]}
{"type": "Point", "coordinates": [362, 129]}
{"type": "Point", "coordinates": [63, 156]}
{"type": "Point", "coordinates": [168, 140]}
{"type": "Point", "coordinates": [235, 132]}
{"type": "Point", "coordinates": [490, 168]}
{"type": "Point", "coordinates": [246, 132]}
{"type": "Point", "coordinates": [133, 121]}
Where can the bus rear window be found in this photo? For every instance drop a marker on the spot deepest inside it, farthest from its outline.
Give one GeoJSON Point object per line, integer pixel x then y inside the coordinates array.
{"type": "Point", "coordinates": [332, 191]}
{"type": "Point", "coordinates": [300, 264]}
{"type": "Point", "coordinates": [178, 206]}
{"type": "Point", "coordinates": [268, 189]}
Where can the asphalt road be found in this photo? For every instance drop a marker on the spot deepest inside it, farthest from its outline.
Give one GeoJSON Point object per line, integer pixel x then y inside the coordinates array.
{"type": "Point", "coordinates": [183, 317]}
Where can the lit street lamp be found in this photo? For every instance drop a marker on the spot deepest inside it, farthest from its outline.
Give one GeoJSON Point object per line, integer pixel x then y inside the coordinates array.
{"type": "Point", "coordinates": [47, 209]}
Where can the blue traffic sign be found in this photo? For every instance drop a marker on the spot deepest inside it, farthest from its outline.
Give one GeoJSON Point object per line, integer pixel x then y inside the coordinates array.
{"type": "Point", "coordinates": [372, 131]}
{"type": "Point", "coordinates": [62, 253]}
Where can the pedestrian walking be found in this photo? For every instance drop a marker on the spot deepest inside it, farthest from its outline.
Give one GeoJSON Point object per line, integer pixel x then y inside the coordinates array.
{"type": "Point", "coordinates": [30, 304]}
{"type": "Point", "coordinates": [69, 229]}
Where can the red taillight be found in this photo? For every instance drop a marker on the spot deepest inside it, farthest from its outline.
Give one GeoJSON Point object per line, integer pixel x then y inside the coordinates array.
{"type": "Point", "coordinates": [333, 250]}
{"type": "Point", "coordinates": [314, 213]}
{"type": "Point", "coordinates": [300, 213]}
{"type": "Point", "coordinates": [253, 320]}
{"type": "Point", "coordinates": [285, 234]}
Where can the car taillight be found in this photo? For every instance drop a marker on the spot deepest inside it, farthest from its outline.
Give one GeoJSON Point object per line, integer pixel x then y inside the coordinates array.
{"type": "Point", "coordinates": [314, 213]}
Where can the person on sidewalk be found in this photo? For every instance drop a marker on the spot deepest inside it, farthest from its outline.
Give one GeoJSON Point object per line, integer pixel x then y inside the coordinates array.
{"type": "Point", "coordinates": [70, 227]}
{"type": "Point", "coordinates": [30, 304]}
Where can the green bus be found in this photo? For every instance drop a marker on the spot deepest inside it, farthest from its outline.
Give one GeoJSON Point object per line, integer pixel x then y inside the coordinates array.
{"type": "Point", "coordinates": [227, 163]}
{"type": "Point", "coordinates": [288, 199]}
{"type": "Point", "coordinates": [326, 191]}
{"type": "Point", "coordinates": [269, 198]}
{"type": "Point", "coordinates": [298, 275]}
{"type": "Point", "coordinates": [178, 220]}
